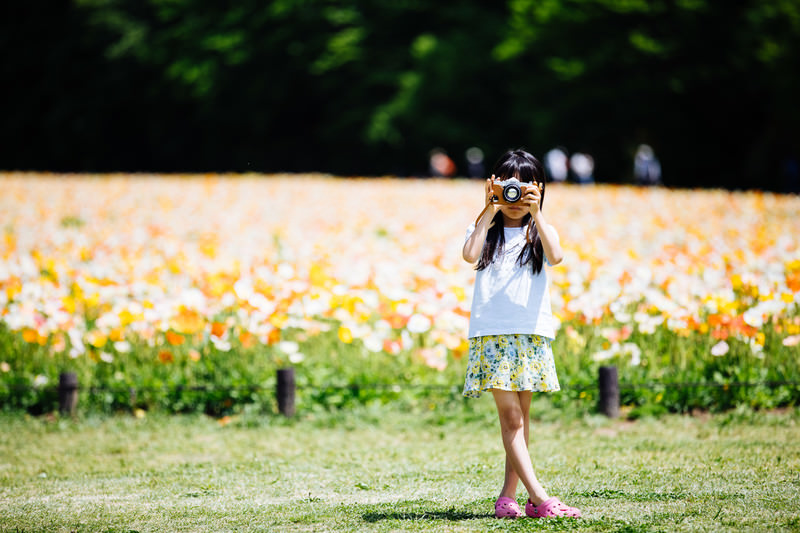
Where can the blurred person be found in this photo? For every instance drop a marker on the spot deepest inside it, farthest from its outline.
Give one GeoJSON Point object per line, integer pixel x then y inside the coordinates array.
{"type": "Point", "coordinates": [646, 166]}
{"type": "Point", "coordinates": [791, 174]}
{"type": "Point", "coordinates": [582, 167]}
{"type": "Point", "coordinates": [441, 165]}
{"type": "Point", "coordinates": [557, 164]}
{"type": "Point", "coordinates": [511, 324]}
{"type": "Point", "coordinates": [475, 166]}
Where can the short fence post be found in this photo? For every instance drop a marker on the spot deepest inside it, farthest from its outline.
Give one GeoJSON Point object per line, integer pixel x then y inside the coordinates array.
{"type": "Point", "coordinates": [285, 391]}
{"type": "Point", "coordinates": [609, 391]}
{"type": "Point", "coordinates": [67, 393]}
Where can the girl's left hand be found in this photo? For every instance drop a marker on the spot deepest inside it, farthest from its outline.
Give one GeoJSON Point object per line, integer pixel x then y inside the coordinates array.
{"type": "Point", "coordinates": [532, 198]}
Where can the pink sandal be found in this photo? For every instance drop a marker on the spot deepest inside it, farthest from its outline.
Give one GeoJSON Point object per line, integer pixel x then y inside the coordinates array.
{"type": "Point", "coordinates": [506, 507]}
{"type": "Point", "coordinates": [551, 508]}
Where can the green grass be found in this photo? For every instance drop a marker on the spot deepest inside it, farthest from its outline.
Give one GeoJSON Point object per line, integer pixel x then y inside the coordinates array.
{"type": "Point", "coordinates": [379, 469]}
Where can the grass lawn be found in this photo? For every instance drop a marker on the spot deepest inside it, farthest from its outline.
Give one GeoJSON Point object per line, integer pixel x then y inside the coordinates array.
{"type": "Point", "coordinates": [387, 470]}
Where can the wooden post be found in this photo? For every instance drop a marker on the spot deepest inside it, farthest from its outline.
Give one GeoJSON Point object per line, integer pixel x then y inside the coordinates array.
{"type": "Point", "coordinates": [285, 391]}
{"type": "Point", "coordinates": [67, 393]}
{"type": "Point", "coordinates": [609, 391]}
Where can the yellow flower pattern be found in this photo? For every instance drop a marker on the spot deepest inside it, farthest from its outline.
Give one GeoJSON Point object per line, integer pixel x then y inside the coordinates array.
{"type": "Point", "coordinates": [510, 362]}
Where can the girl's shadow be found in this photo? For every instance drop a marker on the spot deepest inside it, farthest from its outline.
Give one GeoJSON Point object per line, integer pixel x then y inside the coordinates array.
{"type": "Point", "coordinates": [453, 514]}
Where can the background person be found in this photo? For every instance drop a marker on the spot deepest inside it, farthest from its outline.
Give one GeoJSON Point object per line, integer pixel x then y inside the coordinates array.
{"type": "Point", "coordinates": [646, 166]}
{"type": "Point", "coordinates": [582, 167]}
{"type": "Point", "coordinates": [557, 164]}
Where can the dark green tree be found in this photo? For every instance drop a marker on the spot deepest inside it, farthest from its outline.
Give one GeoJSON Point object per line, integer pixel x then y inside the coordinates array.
{"type": "Point", "coordinates": [369, 87]}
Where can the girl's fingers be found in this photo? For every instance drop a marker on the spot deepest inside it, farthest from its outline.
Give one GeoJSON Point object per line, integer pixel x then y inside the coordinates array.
{"type": "Point", "coordinates": [532, 196]}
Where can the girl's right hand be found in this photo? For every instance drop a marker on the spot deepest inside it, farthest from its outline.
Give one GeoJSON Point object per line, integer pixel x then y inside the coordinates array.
{"type": "Point", "coordinates": [489, 193]}
{"type": "Point", "coordinates": [491, 208]}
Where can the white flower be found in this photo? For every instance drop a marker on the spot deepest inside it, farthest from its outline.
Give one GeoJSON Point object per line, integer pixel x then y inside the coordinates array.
{"type": "Point", "coordinates": [373, 342]}
{"type": "Point", "coordinates": [106, 357]}
{"type": "Point", "coordinates": [288, 347]}
{"type": "Point", "coordinates": [76, 340]}
{"type": "Point", "coordinates": [243, 288]}
{"type": "Point", "coordinates": [634, 351]}
{"type": "Point", "coordinates": [604, 355]}
{"type": "Point", "coordinates": [753, 317]}
{"type": "Point", "coordinates": [757, 349]}
{"type": "Point", "coordinates": [221, 345]}
{"type": "Point", "coordinates": [791, 340]}
{"type": "Point", "coordinates": [405, 308]}
{"type": "Point", "coordinates": [406, 342]}
{"type": "Point", "coordinates": [720, 349]}
{"type": "Point", "coordinates": [122, 346]}
{"type": "Point", "coordinates": [5, 367]}
{"type": "Point", "coordinates": [296, 357]}
{"type": "Point", "coordinates": [623, 317]}
{"type": "Point", "coordinates": [40, 380]}
{"type": "Point", "coordinates": [418, 323]}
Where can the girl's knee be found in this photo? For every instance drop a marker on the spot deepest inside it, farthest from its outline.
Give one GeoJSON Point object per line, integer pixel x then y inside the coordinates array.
{"type": "Point", "coordinates": [511, 418]}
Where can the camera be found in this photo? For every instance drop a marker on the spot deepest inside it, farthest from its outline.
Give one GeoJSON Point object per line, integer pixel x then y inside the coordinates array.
{"type": "Point", "coordinates": [509, 191]}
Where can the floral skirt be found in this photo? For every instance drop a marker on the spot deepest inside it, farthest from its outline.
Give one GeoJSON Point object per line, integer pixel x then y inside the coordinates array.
{"type": "Point", "coordinates": [510, 362]}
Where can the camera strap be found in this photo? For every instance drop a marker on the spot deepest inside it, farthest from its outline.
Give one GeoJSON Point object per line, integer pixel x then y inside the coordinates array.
{"type": "Point", "coordinates": [483, 213]}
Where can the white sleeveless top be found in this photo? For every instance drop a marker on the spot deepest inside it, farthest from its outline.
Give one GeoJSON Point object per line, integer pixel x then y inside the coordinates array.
{"type": "Point", "coordinates": [509, 299]}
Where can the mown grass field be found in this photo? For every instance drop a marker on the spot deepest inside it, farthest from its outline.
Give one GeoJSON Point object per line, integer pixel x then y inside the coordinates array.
{"type": "Point", "coordinates": [436, 469]}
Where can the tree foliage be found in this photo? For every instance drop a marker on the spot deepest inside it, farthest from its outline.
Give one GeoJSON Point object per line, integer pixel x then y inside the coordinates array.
{"type": "Point", "coordinates": [370, 86]}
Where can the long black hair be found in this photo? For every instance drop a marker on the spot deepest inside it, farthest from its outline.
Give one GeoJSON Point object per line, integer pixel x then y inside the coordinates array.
{"type": "Point", "coordinates": [527, 169]}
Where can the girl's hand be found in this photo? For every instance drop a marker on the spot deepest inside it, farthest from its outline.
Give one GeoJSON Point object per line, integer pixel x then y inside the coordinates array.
{"type": "Point", "coordinates": [532, 198]}
{"type": "Point", "coordinates": [492, 207]}
{"type": "Point", "coordinates": [489, 193]}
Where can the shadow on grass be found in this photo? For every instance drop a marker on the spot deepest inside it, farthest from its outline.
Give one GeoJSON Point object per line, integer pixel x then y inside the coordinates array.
{"type": "Point", "coordinates": [451, 514]}
{"type": "Point", "coordinates": [463, 514]}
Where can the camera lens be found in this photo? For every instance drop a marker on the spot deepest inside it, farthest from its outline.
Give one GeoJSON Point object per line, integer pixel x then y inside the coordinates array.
{"type": "Point", "coordinates": [511, 192]}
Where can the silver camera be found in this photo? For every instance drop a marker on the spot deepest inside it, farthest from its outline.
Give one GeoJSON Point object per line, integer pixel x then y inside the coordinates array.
{"type": "Point", "coordinates": [509, 191]}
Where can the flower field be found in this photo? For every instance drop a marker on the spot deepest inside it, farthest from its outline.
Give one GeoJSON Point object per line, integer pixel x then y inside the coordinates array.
{"type": "Point", "coordinates": [186, 292]}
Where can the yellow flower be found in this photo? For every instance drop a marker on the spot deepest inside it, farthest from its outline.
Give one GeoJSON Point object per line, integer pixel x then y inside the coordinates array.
{"type": "Point", "coordinates": [97, 339]}
{"type": "Point", "coordinates": [345, 335]}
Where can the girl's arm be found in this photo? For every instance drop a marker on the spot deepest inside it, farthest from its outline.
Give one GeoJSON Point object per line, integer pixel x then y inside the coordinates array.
{"type": "Point", "coordinates": [550, 244]}
{"type": "Point", "coordinates": [474, 246]}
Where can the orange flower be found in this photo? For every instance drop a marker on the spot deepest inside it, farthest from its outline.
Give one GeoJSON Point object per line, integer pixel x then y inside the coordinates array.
{"type": "Point", "coordinates": [391, 346]}
{"type": "Point", "coordinates": [175, 339]}
{"type": "Point", "coordinates": [273, 336]}
{"type": "Point", "coordinates": [720, 334]}
{"type": "Point", "coordinates": [218, 329]}
{"type": "Point", "coordinates": [188, 321]}
{"type": "Point", "coordinates": [30, 335]}
{"type": "Point", "coordinates": [247, 339]}
{"type": "Point", "coordinates": [397, 321]}
{"type": "Point", "coordinates": [165, 356]}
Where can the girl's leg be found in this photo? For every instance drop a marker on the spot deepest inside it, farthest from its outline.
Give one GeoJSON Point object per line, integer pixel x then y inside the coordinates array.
{"type": "Point", "coordinates": [512, 427]}
{"type": "Point", "coordinates": [511, 478]}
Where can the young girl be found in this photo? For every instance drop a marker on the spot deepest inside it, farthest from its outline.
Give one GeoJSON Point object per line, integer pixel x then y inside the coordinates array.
{"type": "Point", "coordinates": [511, 325]}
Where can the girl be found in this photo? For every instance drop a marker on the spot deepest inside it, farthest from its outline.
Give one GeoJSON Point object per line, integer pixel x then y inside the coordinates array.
{"type": "Point", "coordinates": [511, 325]}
